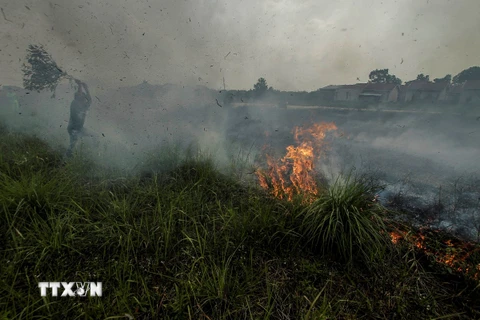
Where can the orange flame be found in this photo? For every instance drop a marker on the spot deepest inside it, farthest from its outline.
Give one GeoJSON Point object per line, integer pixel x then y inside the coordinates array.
{"type": "Point", "coordinates": [455, 255]}
{"type": "Point", "coordinates": [420, 243]}
{"type": "Point", "coordinates": [396, 236]}
{"type": "Point", "coordinates": [293, 174]}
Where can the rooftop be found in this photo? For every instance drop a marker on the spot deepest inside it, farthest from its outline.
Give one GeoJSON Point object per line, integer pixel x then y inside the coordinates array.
{"type": "Point", "coordinates": [426, 85]}
{"type": "Point", "coordinates": [380, 87]}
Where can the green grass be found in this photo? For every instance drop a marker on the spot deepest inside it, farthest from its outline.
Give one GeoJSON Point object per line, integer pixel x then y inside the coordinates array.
{"type": "Point", "coordinates": [182, 239]}
{"type": "Point", "coordinates": [346, 222]}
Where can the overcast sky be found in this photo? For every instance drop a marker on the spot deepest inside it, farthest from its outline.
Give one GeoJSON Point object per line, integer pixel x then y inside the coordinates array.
{"type": "Point", "coordinates": [294, 44]}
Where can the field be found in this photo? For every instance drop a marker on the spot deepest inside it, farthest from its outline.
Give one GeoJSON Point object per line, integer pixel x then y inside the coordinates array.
{"type": "Point", "coordinates": [185, 238]}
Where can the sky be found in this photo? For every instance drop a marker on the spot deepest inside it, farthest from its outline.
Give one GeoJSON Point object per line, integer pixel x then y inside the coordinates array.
{"type": "Point", "coordinates": [293, 44]}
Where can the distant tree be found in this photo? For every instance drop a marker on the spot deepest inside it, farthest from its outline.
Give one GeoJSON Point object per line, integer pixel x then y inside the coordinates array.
{"type": "Point", "coordinates": [422, 77]}
{"type": "Point", "coordinates": [382, 76]}
{"type": "Point", "coordinates": [394, 79]}
{"type": "Point", "coordinates": [472, 73]}
{"type": "Point", "coordinates": [447, 79]}
{"type": "Point", "coordinates": [260, 87]}
{"type": "Point", "coordinates": [378, 75]}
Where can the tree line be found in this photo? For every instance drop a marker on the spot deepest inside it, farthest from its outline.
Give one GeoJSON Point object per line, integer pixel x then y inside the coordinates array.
{"type": "Point", "coordinates": [383, 76]}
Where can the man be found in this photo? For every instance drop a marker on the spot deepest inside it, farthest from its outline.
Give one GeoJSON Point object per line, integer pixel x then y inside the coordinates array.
{"type": "Point", "coordinates": [78, 112]}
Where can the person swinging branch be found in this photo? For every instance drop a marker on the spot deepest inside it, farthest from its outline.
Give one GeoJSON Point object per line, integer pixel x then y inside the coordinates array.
{"type": "Point", "coordinates": [78, 111]}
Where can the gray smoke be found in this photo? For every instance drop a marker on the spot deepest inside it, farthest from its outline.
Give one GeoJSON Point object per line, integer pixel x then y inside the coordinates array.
{"type": "Point", "coordinates": [296, 45]}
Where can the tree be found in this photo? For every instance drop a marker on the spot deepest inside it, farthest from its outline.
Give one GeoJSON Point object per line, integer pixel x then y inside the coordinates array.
{"type": "Point", "coordinates": [382, 76]}
{"type": "Point", "coordinates": [472, 73]}
{"type": "Point", "coordinates": [260, 87]}
{"type": "Point", "coordinates": [422, 77]}
{"type": "Point", "coordinates": [447, 79]}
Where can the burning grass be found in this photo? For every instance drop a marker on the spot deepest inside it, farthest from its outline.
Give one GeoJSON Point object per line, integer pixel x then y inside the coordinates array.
{"type": "Point", "coordinates": [441, 249]}
{"type": "Point", "coordinates": [294, 174]}
{"type": "Point", "coordinates": [192, 243]}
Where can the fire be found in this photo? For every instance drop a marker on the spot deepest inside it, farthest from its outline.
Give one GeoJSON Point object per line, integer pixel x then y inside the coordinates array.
{"type": "Point", "coordinates": [420, 243]}
{"type": "Point", "coordinates": [454, 255]}
{"type": "Point", "coordinates": [396, 236]}
{"type": "Point", "coordinates": [294, 173]}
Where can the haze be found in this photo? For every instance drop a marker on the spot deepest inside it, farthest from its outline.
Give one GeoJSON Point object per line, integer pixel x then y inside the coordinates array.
{"type": "Point", "coordinates": [294, 44]}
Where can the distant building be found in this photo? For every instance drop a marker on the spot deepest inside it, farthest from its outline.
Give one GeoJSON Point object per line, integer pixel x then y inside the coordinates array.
{"type": "Point", "coordinates": [454, 93]}
{"type": "Point", "coordinates": [416, 91]}
{"type": "Point", "coordinates": [379, 92]}
{"type": "Point", "coordinates": [349, 92]}
{"type": "Point", "coordinates": [402, 92]}
{"type": "Point", "coordinates": [470, 92]}
{"type": "Point", "coordinates": [326, 94]}
{"type": "Point", "coordinates": [368, 92]}
{"type": "Point", "coordinates": [425, 91]}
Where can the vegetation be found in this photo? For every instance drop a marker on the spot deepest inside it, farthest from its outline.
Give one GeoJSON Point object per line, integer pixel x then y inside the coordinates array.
{"type": "Point", "coordinates": [344, 220]}
{"type": "Point", "coordinates": [260, 87]}
{"type": "Point", "coordinates": [41, 71]}
{"type": "Point", "coordinates": [422, 77]}
{"type": "Point", "coordinates": [447, 79]}
{"type": "Point", "coordinates": [472, 73]}
{"type": "Point", "coordinates": [382, 76]}
{"type": "Point", "coordinates": [184, 241]}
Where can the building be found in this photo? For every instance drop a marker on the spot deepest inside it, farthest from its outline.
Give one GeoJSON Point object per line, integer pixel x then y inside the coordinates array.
{"type": "Point", "coordinates": [365, 92]}
{"type": "Point", "coordinates": [349, 92]}
{"type": "Point", "coordinates": [416, 91]}
{"type": "Point", "coordinates": [326, 94]}
{"type": "Point", "coordinates": [402, 92]}
{"type": "Point", "coordinates": [425, 91]}
{"type": "Point", "coordinates": [470, 92]}
{"type": "Point", "coordinates": [454, 93]}
{"type": "Point", "coordinates": [380, 92]}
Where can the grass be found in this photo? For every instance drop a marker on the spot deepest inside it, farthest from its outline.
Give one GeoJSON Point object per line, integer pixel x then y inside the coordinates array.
{"type": "Point", "coordinates": [182, 240]}
{"type": "Point", "coordinates": [344, 220]}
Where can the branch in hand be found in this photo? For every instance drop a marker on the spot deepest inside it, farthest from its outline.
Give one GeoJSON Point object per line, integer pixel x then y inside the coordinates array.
{"type": "Point", "coordinates": [41, 71]}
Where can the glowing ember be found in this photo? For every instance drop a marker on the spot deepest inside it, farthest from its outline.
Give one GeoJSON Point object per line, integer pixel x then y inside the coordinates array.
{"type": "Point", "coordinates": [455, 255]}
{"type": "Point", "coordinates": [294, 173]}
{"type": "Point", "coordinates": [396, 236]}
{"type": "Point", "coordinates": [420, 243]}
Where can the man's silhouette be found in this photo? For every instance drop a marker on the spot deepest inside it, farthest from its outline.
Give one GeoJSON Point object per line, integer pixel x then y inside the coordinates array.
{"type": "Point", "coordinates": [78, 112]}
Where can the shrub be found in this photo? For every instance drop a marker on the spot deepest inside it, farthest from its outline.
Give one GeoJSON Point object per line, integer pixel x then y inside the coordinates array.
{"type": "Point", "coordinates": [345, 221]}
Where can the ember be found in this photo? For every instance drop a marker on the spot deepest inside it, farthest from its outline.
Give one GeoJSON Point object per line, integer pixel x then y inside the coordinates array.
{"type": "Point", "coordinates": [396, 236]}
{"type": "Point", "coordinates": [454, 255]}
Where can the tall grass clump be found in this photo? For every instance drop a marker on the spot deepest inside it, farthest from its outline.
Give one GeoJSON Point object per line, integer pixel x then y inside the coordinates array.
{"type": "Point", "coordinates": [344, 221]}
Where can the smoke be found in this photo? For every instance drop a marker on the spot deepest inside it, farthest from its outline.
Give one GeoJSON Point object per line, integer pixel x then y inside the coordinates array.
{"type": "Point", "coordinates": [296, 45]}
